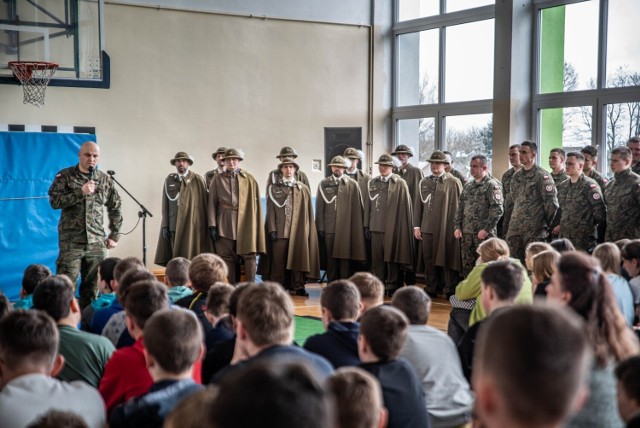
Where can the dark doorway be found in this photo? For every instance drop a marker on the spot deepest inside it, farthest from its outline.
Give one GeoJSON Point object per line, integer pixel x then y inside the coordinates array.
{"type": "Point", "coordinates": [337, 140]}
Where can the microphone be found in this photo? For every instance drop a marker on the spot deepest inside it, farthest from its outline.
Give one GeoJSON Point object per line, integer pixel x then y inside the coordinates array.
{"type": "Point", "coordinates": [91, 172]}
{"type": "Point", "coordinates": [111, 172]}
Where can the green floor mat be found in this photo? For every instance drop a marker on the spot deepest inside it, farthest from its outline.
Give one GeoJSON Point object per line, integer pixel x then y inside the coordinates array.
{"type": "Point", "coordinates": [305, 327]}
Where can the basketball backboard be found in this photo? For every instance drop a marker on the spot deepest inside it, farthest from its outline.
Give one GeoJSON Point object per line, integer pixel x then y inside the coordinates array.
{"type": "Point", "coordinates": [67, 32]}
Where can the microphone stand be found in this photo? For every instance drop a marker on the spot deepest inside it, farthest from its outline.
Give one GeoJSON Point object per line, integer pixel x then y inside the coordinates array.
{"type": "Point", "coordinates": [141, 214]}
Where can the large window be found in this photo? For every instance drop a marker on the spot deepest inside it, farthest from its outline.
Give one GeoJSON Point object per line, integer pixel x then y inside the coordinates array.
{"type": "Point", "coordinates": [587, 74]}
{"type": "Point", "coordinates": [443, 87]}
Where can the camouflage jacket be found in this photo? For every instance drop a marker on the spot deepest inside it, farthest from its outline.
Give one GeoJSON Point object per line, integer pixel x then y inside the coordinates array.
{"type": "Point", "coordinates": [82, 217]}
{"type": "Point", "coordinates": [508, 201]}
{"type": "Point", "coordinates": [581, 209]}
{"type": "Point", "coordinates": [622, 196]}
{"type": "Point", "coordinates": [535, 202]}
{"type": "Point", "coordinates": [599, 178]}
{"type": "Point", "coordinates": [559, 177]}
{"type": "Point", "coordinates": [480, 206]}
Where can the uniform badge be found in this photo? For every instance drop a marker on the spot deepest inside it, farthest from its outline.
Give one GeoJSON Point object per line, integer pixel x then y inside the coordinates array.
{"type": "Point", "coordinates": [59, 175]}
{"type": "Point", "coordinates": [498, 196]}
{"type": "Point", "coordinates": [605, 180]}
{"type": "Point", "coordinates": [593, 186]}
{"type": "Point", "coordinates": [596, 196]}
{"type": "Point", "coordinates": [548, 188]}
{"type": "Point", "coordinates": [546, 177]}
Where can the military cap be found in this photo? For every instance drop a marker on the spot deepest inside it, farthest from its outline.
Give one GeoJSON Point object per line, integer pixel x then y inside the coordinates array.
{"type": "Point", "coordinates": [288, 161]}
{"type": "Point", "coordinates": [403, 149]}
{"type": "Point", "coordinates": [181, 155]}
{"type": "Point", "coordinates": [439, 157]}
{"type": "Point", "coordinates": [233, 153]}
{"type": "Point", "coordinates": [287, 152]}
{"type": "Point", "coordinates": [352, 153]}
{"type": "Point", "coordinates": [385, 159]}
{"type": "Point", "coordinates": [340, 161]}
{"type": "Point", "coordinates": [220, 151]}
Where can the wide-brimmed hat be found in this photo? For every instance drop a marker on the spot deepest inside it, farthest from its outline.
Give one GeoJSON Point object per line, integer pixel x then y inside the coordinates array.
{"type": "Point", "coordinates": [352, 153]}
{"type": "Point", "coordinates": [403, 149]}
{"type": "Point", "coordinates": [287, 152]}
{"type": "Point", "coordinates": [439, 157]}
{"type": "Point", "coordinates": [385, 159]}
{"type": "Point", "coordinates": [340, 161]}
{"type": "Point", "coordinates": [288, 161]}
{"type": "Point", "coordinates": [181, 156]}
{"type": "Point", "coordinates": [220, 151]}
{"type": "Point", "coordinates": [233, 153]}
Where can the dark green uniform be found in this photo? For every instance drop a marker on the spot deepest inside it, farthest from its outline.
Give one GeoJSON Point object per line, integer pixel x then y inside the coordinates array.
{"type": "Point", "coordinates": [622, 196]}
{"type": "Point", "coordinates": [480, 208]}
{"type": "Point", "coordinates": [581, 209]}
{"type": "Point", "coordinates": [559, 177]}
{"type": "Point", "coordinates": [535, 202]}
{"type": "Point", "coordinates": [81, 233]}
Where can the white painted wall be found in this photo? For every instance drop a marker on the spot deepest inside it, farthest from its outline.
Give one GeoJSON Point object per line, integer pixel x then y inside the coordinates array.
{"type": "Point", "coordinates": [195, 81]}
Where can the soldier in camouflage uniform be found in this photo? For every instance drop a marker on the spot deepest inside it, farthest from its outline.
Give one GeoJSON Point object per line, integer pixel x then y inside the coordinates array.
{"type": "Point", "coordinates": [514, 160]}
{"type": "Point", "coordinates": [590, 154]}
{"type": "Point", "coordinates": [479, 209]}
{"type": "Point", "coordinates": [535, 202]}
{"type": "Point", "coordinates": [80, 192]}
{"type": "Point", "coordinates": [581, 206]}
{"type": "Point", "coordinates": [622, 196]}
{"type": "Point", "coordinates": [556, 163]}
{"type": "Point", "coordinates": [634, 145]}
{"type": "Point", "coordinates": [218, 156]}
{"type": "Point", "coordinates": [451, 170]}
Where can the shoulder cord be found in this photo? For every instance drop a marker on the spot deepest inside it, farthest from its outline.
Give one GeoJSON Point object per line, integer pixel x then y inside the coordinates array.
{"type": "Point", "coordinates": [424, 201]}
{"type": "Point", "coordinates": [369, 191]}
{"type": "Point", "coordinates": [324, 197]}
{"type": "Point", "coordinates": [167, 193]}
{"type": "Point", "coordinates": [276, 203]}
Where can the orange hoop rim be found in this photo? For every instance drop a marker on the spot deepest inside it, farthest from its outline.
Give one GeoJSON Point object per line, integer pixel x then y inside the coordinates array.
{"type": "Point", "coordinates": [34, 65]}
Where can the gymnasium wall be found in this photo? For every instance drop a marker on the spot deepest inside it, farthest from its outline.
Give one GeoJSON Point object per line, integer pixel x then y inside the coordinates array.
{"type": "Point", "coordinates": [195, 81]}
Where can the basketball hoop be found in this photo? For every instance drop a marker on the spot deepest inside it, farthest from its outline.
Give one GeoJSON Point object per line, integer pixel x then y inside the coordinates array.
{"type": "Point", "coordinates": [34, 77]}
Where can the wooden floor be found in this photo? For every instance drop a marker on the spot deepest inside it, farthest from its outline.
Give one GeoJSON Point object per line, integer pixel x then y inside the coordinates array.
{"type": "Point", "coordinates": [310, 306]}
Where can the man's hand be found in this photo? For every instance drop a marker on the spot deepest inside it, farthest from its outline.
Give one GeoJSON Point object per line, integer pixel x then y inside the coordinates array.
{"type": "Point", "coordinates": [89, 188]}
{"type": "Point", "coordinates": [556, 230]}
{"type": "Point", "coordinates": [213, 233]}
{"type": "Point", "coordinates": [110, 243]}
{"type": "Point", "coordinates": [457, 233]}
{"type": "Point", "coordinates": [273, 236]}
{"type": "Point", "coordinates": [165, 233]}
{"type": "Point", "coordinates": [482, 234]}
{"type": "Point", "coordinates": [321, 234]}
{"type": "Point", "coordinates": [417, 234]}
{"type": "Point", "coordinates": [367, 233]}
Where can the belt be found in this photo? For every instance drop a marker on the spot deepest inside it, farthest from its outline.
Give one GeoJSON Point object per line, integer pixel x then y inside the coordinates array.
{"type": "Point", "coordinates": [228, 206]}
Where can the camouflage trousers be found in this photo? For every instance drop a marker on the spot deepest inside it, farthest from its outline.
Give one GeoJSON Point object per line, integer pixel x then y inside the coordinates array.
{"type": "Point", "coordinates": [518, 244]}
{"type": "Point", "coordinates": [469, 249]}
{"type": "Point", "coordinates": [82, 260]}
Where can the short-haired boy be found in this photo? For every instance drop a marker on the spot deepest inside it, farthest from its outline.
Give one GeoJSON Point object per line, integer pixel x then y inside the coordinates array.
{"type": "Point", "coordinates": [32, 275]}
{"type": "Point", "coordinates": [383, 330]}
{"type": "Point", "coordinates": [176, 278]}
{"type": "Point", "coordinates": [217, 313]}
{"type": "Point", "coordinates": [531, 367]}
{"type": "Point", "coordinates": [357, 398]}
{"type": "Point", "coordinates": [340, 305]}
{"type": "Point", "coordinates": [371, 290]}
{"type": "Point", "coordinates": [106, 290]}
{"type": "Point", "coordinates": [172, 345]}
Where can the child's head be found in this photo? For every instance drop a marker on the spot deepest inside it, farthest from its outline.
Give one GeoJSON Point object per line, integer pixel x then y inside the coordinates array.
{"type": "Point", "coordinates": [544, 265]}
{"type": "Point", "coordinates": [105, 274]}
{"type": "Point", "coordinates": [143, 299]}
{"type": "Point", "coordinates": [126, 264]}
{"type": "Point", "coordinates": [358, 398]}
{"type": "Point", "coordinates": [54, 296]}
{"type": "Point", "coordinates": [340, 301]}
{"type": "Point", "coordinates": [383, 330]}
{"type": "Point", "coordinates": [493, 249]}
{"type": "Point", "coordinates": [173, 340]}
{"type": "Point", "coordinates": [531, 366]}
{"type": "Point", "coordinates": [414, 303]}
{"type": "Point", "coordinates": [501, 282]}
{"type": "Point", "coordinates": [628, 375]}
{"type": "Point", "coordinates": [129, 278]}
{"type": "Point", "coordinates": [177, 272]}
{"type": "Point", "coordinates": [266, 314]}
{"type": "Point", "coordinates": [631, 258]}
{"type": "Point", "coordinates": [33, 274]}
{"type": "Point", "coordinates": [609, 256]}
{"type": "Point", "coordinates": [218, 300]}
{"type": "Point", "coordinates": [205, 270]}
{"type": "Point", "coordinates": [371, 289]}
{"type": "Point", "coordinates": [562, 245]}
{"type": "Point", "coordinates": [533, 249]}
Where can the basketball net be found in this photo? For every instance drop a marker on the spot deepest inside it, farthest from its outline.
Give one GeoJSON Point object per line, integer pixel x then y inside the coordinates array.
{"type": "Point", "coordinates": [34, 76]}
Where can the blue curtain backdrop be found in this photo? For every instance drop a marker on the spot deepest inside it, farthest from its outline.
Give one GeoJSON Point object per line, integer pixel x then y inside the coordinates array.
{"type": "Point", "coordinates": [29, 162]}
